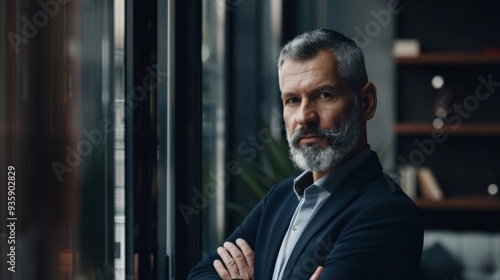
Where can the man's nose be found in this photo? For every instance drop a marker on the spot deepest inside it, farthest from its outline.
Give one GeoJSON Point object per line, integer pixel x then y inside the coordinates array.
{"type": "Point", "coordinates": [307, 113]}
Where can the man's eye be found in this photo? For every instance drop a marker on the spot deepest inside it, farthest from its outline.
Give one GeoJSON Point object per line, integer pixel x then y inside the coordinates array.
{"type": "Point", "coordinates": [325, 95]}
{"type": "Point", "coordinates": [292, 100]}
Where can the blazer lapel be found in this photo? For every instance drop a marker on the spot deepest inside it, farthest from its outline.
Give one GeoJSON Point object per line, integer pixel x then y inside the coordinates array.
{"type": "Point", "coordinates": [333, 205]}
{"type": "Point", "coordinates": [275, 236]}
{"type": "Point", "coordinates": [346, 191]}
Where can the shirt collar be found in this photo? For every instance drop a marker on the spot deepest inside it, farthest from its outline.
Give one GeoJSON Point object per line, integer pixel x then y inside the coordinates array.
{"type": "Point", "coordinates": [330, 181]}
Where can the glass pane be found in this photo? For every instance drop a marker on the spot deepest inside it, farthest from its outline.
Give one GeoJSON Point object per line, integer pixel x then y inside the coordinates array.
{"type": "Point", "coordinates": [214, 123]}
{"type": "Point", "coordinates": [57, 133]}
{"type": "Point", "coordinates": [119, 134]}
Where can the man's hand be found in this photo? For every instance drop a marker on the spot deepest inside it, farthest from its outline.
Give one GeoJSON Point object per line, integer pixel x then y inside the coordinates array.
{"type": "Point", "coordinates": [317, 273]}
{"type": "Point", "coordinates": [238, 261]}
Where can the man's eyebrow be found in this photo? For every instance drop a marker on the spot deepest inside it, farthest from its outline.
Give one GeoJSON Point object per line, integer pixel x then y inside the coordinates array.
{"type": "Point", "coordinates": [313, 90]}
{"type": "Point", "coordinates": [287, 94]}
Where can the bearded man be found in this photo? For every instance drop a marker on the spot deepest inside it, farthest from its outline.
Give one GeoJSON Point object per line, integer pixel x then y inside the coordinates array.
{"type": "Point", "coordinates": [343, 218]}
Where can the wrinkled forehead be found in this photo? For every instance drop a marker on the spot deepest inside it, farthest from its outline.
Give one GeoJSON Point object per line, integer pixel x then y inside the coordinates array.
{"type": "Point", "coordinates": [321, 68]}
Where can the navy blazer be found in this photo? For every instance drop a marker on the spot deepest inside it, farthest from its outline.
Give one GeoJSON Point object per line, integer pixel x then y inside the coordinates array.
{"type": "Point", "coordinates": [367, 229]}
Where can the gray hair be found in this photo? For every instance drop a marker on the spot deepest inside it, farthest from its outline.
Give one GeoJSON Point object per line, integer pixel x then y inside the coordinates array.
{"type": "Point", "coordinates": [349, 56]}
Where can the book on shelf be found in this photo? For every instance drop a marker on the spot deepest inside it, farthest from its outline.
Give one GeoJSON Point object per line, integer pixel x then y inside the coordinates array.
{"type": "Point", "coordinates": [408, 180]}
{"type": "Point", "coordinates": [429, 186]}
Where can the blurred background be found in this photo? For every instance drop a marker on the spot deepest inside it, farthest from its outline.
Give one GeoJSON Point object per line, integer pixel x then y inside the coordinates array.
{"type": "Point", "coordinates": [135, 135]}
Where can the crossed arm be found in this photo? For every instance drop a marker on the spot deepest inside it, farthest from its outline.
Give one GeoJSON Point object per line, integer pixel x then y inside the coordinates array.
{"type": "Point", "coordinates": [238, 260]}
{"type": "Point", "coordinates": [381, 243]}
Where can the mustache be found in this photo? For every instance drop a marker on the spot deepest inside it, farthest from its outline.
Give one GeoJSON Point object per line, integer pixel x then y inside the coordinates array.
{"type": "Point", "coordinates": [314, 130]}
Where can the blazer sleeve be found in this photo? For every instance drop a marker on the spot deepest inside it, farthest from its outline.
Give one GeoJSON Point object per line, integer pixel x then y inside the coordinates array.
{"type": "Point", "coordinates": [382, 242]}
{"type": "Point", "coordinates": [247, 230]}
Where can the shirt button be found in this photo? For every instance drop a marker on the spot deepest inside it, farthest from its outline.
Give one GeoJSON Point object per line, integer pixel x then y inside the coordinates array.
{"type": "Point", "coordinates": [297, 188]}
{"type": "Point", "coordinates": [294, 228]}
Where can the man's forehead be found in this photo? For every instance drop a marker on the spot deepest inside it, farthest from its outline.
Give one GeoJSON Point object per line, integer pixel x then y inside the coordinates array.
{"type": "Point", "coordinates": [321, 67]}
{"type": "Point", "coordinates": [306, 78]}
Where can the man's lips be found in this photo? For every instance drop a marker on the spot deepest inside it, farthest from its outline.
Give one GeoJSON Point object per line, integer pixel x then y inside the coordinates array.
{"type": "Point", "coordinates": [310, 139]}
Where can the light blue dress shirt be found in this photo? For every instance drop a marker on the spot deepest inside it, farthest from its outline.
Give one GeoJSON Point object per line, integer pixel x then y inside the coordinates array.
{"type": "Point", "coordinates": [311, 196]}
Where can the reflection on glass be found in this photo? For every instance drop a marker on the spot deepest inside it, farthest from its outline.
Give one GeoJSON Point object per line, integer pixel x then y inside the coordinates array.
{"type": "Point", "coordinates": [57, 129]}
{"type": "Point", "coordinates": [119, 118]}
{"type": "Point", "coordinates": [214, 124]}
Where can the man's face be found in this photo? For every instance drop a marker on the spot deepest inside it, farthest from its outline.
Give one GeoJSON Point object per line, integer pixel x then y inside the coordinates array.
{"type": "Point", "coordinates": [321, 118]}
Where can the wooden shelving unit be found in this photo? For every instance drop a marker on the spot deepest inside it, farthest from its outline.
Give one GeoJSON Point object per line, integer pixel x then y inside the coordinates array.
{"type": "Point", "coordinates": [479, 129]}
{"type": "Point", "coordinates": [462, 156]}
{"type": "Point", "coordinates": [461, 204]}
{"type": "Point", "coordinates": [450, 58]}
{"type": "Point", "coordinates": [464, 213]}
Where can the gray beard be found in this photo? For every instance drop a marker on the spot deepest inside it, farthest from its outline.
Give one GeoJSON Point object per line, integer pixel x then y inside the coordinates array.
{"type": "Point", "coordinates": [341, 142]}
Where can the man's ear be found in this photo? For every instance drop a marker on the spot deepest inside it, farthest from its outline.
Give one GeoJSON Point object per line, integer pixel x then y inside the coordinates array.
{"type": "Point", "coordinates": [368, 96]}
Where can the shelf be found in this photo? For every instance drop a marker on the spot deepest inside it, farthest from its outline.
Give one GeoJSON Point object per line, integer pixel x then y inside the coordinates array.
{"type": "Point", "coordinates": [478, 129]}
{"type": "Point", "coordinates": [450, 58]}
{"type": "Point", "coordinates": [460, 204]}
